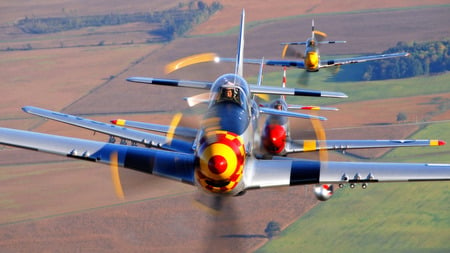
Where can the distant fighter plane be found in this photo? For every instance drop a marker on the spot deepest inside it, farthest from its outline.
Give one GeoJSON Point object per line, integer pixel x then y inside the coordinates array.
{"type": "Point", "coordinates": [311, 58]}
{"type": "Point", "coordinates": [222, 160]}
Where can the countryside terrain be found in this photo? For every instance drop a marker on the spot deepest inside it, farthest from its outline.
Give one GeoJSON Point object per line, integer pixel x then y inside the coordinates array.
{"type": "Point", "coordinates": [51, 204]}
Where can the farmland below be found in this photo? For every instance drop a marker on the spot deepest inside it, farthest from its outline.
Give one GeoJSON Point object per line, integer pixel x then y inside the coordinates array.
{"type": "Point", "coordinates": [48, 203]}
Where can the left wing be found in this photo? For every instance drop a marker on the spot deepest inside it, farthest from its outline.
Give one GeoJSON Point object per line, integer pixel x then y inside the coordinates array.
{"type": "Point", "coordinates": [173, 165]}
{"type": "Point", "coordinates": [316, 145]}
{"type": "Point", "coordinates": [335, 62]}
{"type": "Point", "coordinates": [148, 139]}
{"type": "Point", "coordinates": [289, 172]}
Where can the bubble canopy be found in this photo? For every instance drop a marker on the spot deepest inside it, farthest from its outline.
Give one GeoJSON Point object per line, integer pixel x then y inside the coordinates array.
{"type": "Point", "coordinates": [229, 106]}
{"type": "Point", "coordinates": [230, 88]}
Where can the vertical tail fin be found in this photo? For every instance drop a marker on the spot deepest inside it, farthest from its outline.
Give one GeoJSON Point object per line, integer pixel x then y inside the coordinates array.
{"type": "Point", "coordinates": [260, 74]}
{"type": "Point", "coordinates": [240, 47]}
{"type": "Point", "coordinates": [312, 30]}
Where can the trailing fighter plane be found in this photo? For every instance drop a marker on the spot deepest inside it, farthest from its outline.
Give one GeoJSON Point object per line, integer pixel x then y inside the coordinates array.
{"type": "Point", "coordinates": [311, 58]}
{"type": "Point", "coordinates": [276, 136]}
{"type": "Point", "coordinates": [222, 158]}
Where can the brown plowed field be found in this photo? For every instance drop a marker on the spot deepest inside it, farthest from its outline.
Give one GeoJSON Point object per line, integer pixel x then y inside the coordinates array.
{"type": "Point", "coordinates": [50, 204]}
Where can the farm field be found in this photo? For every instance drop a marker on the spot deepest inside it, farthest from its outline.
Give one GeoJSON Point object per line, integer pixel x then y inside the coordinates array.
{"type": "Point", "coordinates": [48, 202]}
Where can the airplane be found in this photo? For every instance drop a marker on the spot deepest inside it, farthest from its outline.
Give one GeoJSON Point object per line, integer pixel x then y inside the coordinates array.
{"type": "Point", "coordinates": [311, 58]}
{"type": "Point", "coordinates": [221, 161]}
{"type": "Point", "coordinates": [311, 61]}
{"type": "Point", "coordinates": [276, 135]}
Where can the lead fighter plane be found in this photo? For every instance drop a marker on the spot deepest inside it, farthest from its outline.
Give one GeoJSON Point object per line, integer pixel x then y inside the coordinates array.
{"type": "Point", "coordinates": [222, 159]}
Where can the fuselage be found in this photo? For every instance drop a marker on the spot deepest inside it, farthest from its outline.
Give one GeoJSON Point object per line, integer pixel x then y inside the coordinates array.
{"type": "Point", "coordinates": [312, 56]}
{"type": "Point", "coordinates": [275, 130]}
{"type": "Point", "coordinates": [226, 137]}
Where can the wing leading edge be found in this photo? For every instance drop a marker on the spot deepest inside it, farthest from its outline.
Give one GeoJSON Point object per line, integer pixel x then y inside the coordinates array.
{"type": "Point", "coordinates": [316, 145]}
{"type": "Point", "coordinates": [289, 172]}
{"type": "Point", "coordinates": [145, 138]}
{"type": "Point", "coordinates": [168, 164]}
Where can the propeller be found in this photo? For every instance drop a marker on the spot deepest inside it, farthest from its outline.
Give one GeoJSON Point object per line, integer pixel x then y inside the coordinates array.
{"type": "Point", "coordinates": [172, 127]}
{"type": "Point", "coordinates": [115, 175]}
{"type": "Point", "coordinates": [189, 60]}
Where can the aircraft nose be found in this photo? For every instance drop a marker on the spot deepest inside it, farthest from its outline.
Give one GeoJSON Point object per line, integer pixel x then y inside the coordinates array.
{"type": "Point", "coordinates": [275, 138]}
{"type": "Point", "coordinates": [217, 164]}
{"type": "Point", "coordinates": [221, 155]}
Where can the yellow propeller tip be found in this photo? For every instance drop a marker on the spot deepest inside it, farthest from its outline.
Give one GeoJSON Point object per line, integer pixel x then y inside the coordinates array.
{"type": "Point", "coordinates": [189, 60]}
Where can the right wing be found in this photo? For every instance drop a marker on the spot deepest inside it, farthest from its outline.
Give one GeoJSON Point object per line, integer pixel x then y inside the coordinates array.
{"type": "Point", "coordinates": [359, 59]}
{"type": "Point", "coordinates": [316, 145]}
{"type": "Point", "coordinates": [289, 172]}
{"type": "Point", "coordinates": [173, 165]}
{"type": "Point", "coordinates": [148, 139]}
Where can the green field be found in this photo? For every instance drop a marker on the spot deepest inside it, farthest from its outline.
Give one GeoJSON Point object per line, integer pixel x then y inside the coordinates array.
{"type": "Point", "coordinates": [403, 217]}
{"type": "Point", "coordinates": [410, 217]}
{"type": "Point", "coordinates": [359, 91]}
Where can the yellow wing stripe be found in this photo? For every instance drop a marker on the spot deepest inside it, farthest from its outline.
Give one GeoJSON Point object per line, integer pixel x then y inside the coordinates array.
{"type": "Point", "coordinates": [121, 122]}
{"type": "Point", "coordinates": [309, 145]}
{"type": "Point", "coordinates": [434, 142]}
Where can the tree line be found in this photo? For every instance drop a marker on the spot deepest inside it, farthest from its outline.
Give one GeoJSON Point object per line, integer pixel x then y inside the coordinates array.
{"type": "Point", "coordinates": [426, 58]}
{"type": "Point", "coordinates": [172, 23]}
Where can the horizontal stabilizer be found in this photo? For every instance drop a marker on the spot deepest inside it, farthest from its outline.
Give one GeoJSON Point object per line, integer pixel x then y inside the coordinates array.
{"type": "Point", "coordinates": [253, 88]}
{"type": "Point", "coordinates": [171, 82]}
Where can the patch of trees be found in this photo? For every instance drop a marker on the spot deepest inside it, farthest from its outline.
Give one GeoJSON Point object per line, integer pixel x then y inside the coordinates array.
{"type": "Point", "coordinates": [426, 58]}
{"type": "Point", "coordinates": [172, 23]}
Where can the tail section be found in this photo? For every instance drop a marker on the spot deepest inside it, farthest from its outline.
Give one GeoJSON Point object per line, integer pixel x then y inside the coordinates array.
{"type": "Point", "coordinates": [240, 48]}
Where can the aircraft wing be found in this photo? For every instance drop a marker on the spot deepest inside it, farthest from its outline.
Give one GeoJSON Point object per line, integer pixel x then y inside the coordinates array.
{"type": "Point", "coordinates": [335, 62]}
{"type": "Point", "coordinates": [253, 88]}
{"type": "Point", "coordinates": [289, 172]}
{"type": "Point", "coordinates": [181, 131]}
{"type": "Point", "coordinates": [316, 145]}
{"type": "Point", "coordinates": [174, 165]}
{"type": "Point", "coordinates": [289, 114]}
{"type": "Point", "coordinates": [148, 139]}
{"type": "Point", "coordinates": [323, 63]}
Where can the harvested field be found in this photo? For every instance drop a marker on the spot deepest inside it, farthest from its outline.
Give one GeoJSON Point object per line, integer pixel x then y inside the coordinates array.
{"type": "Point", "coordinates": [48, 203]}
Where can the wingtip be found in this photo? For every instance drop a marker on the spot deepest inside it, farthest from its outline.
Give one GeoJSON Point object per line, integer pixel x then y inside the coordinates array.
{"type": "Point", "coordinates": [437, 143]}
{"type": "Point", "coordinates": [119, 122]}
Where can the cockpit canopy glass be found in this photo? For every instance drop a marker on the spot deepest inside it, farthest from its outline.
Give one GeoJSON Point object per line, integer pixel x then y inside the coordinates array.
{"type": "Point", "coordinates": [230, 88]}
{"type": "Point", "coordinates": [279, 105]}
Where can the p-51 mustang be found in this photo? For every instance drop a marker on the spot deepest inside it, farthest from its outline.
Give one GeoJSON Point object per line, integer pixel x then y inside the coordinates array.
{"type": "Point", "coordinates": [311, 58]}
{"type": "Point", "coordinates": [222, 158]}
{"type": "Point", "coordinates": [276, 136]}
